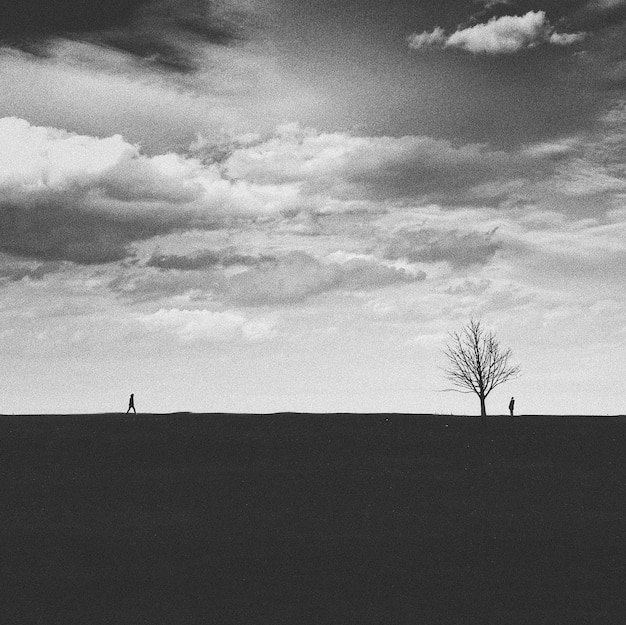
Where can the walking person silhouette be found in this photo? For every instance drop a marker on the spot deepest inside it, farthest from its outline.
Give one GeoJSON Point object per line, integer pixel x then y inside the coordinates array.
{"type": "Point", "coordinates": [131, 403]}
{"type": "Point", "coordinates": [512, 406]}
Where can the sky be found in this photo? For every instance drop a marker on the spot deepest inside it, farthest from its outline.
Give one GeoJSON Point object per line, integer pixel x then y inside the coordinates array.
{"type": "Point", "coordinates": [288, 205]}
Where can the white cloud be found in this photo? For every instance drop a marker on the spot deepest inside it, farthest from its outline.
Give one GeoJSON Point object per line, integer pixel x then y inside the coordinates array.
{"type": "Point", "coordinates": [205, 325]}
{"type": "Point", "coordinates": [500, 35]}
{"type": "Point", "coordinates": [436, 37]}
{"type": "Point", "coordinates": [345, 166]}
{"type": "Point", "coordinates": [65, 196]}
{"type": "Point", "coordinates": [91, 200]}
{"type": "Point", "coordinates": [581, 177]}
{"type": "Point", "coordinates": [36, 159]}
{"type": "Point", "coordinates": [566, 39]}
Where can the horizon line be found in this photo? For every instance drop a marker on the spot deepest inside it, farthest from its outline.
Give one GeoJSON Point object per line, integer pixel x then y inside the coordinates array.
{"type": "Point", "coordinates": [303, 413]}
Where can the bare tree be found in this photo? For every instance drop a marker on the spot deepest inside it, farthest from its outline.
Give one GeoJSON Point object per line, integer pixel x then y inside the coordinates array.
{"type": "Point", "coordinates": [477, 363]}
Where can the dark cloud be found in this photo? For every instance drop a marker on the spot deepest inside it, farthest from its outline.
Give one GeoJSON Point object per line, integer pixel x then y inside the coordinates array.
{"type": "Point", "coordinates": [16, 272]}
{"type": "Point", "coordinates": [206, 260]}
{"type": "Point", "coordinates": [56, 229]}
{"type": "Point", "coordinates": [162, 32]}
{"type": "Point", "coordinates": [431, 246]}
{"type": "Point", "coordinates": [198, 261]}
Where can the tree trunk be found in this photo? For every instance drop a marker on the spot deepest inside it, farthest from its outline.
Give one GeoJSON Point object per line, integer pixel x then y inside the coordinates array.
{"type": "Point", "coordinates": [483, 410]}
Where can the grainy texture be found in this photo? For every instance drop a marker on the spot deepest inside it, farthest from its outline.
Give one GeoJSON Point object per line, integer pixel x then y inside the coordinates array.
{"type": "Point", "coordinates": [311, 519]}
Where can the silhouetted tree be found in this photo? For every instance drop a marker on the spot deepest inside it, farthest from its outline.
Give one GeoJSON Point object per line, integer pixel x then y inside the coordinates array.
{"type": "Point", "coordinates": [477, 363]}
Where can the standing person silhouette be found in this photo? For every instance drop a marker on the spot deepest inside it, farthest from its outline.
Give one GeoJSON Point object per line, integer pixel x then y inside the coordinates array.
{"type": "Point", "coordinates": [131, 403]}
{"type": "Point", "coordinates": [512, 405]}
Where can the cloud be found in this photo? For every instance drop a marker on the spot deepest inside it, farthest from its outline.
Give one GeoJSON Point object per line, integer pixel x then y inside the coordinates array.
{"type": "Point", "coordinates": [288, 279]}
{"type": "Point", "coordinates": [600, 13]}
{"type": "Point", "coordinates": [164, 33]}
{"type": "Point", "coordinates": [468, 287]}
{"type": "Point", "coordinates": [16, 272]}
{"type": "Point", "coordinates": [435, 38]}
{"type": "Point", "coordinates": [91, 200]}
{"type": "Point", "coordinates": [205, 325]}
{"type": "Point", "coordinates": [298, 276]}
{"type": "Point", "coordinates": [582, 259]}
{"type": "Point", "coordinates": [95, 89]}
{"type": "Point", "coordinates": [34, 158]}
{"type": "Point", "coordinates": [490, 4]}
{"type": "Point", "coordinates": [65, 196]}
{"type": "Point", "coordinates": [51, 229]}
{"type": "Point", "coordinates": [500, 35]}
{"type": "Point", "coordinates": [355, 167]}
{"type": "Point", "coordinates": [460, 250]}
{"type": "Point", "coordinates": [70, 197]}
{"type": "Point", "coordinates": [207, 259]}
{"type": "Point", "coordinates": [607, 4]}
{"type": "Point", "coordinates": [147, 284]}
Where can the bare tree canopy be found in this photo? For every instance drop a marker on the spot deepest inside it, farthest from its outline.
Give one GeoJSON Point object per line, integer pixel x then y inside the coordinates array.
{"type": "Point", "coordinates": [477, 363]}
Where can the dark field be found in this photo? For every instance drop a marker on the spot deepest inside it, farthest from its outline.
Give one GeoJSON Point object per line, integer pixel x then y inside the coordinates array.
{"type": "Point", "coordinates": [312, 519]}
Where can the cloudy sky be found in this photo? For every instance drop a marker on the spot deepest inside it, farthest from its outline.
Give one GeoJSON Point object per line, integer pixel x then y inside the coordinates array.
{"type": "Point", "coordinates": [264, 205]}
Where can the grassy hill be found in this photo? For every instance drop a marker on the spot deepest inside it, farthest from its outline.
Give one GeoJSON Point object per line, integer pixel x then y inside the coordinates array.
{"type": "Point", "coordinates": [312, 519]}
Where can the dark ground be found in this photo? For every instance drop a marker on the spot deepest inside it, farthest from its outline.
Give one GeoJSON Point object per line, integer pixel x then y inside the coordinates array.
{"type": "Point", "coordinates": [311, 519]}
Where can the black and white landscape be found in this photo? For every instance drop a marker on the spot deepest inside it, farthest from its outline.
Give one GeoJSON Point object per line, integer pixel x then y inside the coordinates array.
{"type": "Point", "coordinates": [268, 205]}
{"type": "Point", "coordinates": [291, 239]}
